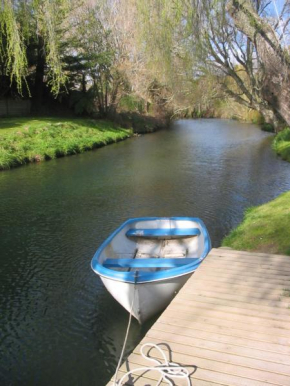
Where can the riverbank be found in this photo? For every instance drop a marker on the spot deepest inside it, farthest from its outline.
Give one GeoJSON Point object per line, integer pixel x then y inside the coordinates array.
{"type": "Point", "coordinates": [25, 140]}
{"type": "Point", "coordinates": [264, 228]}
{"type": "Point", "coordinates": [281, 144]}
{"type": "Point", "coordinates": [140, 123]}
{"type": "Point", "coordinates": [34, 139]}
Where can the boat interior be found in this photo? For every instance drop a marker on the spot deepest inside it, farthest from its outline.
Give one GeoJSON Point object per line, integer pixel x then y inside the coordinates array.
{"type": "Point", "coordinates": [152, 246]}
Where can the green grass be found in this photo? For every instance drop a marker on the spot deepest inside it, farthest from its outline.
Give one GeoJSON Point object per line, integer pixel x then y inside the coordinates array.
{"type": "Point", "coordinates": [265, 228]}
{"type": "Point", "coordinates": [281, 144]}
{"type": "Point", "coordinates": [24, 140]}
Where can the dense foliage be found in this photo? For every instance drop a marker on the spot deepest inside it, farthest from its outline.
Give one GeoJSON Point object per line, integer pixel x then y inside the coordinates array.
{"type": "Point", "coordinates": [183, 57]}
{"type": "Point", "coordinates": [281, 144]}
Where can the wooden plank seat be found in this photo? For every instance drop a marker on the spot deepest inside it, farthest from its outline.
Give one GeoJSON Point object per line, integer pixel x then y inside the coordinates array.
{"type": "Point", "coordinates": [149, 263]}
{"type": "Point", "coordinates": [163, 232]}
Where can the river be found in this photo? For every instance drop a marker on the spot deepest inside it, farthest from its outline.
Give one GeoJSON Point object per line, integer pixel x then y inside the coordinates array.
{"type": "Point", "coordinates": [58, 324]}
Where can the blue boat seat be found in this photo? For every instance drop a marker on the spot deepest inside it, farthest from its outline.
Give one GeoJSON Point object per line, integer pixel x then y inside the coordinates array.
{"type": "Point", "coordinates": [163, 232]}
{"type": "Point", "coordinates": [149, 263]}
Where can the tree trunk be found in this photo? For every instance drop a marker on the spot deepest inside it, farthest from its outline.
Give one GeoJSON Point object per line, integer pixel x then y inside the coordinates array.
{"type": "Point", "coordinates": [273, 59]}
{"type": "Point", "coordinates": [37, 96]}
{"type": "Point", "coordinates": [84, 83]}
{"type": "Point", "coordinates": [270, 116]}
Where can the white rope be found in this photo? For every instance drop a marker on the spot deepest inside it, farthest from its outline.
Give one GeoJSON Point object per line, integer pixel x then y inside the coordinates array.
{"type": "Point", "coordinates": [127, 333]}
{"type": "Point", "coordinates": [168, 370]}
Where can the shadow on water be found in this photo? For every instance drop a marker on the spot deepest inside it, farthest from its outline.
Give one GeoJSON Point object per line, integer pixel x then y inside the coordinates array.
{"type": "Point", "coordinates": [58, 323]}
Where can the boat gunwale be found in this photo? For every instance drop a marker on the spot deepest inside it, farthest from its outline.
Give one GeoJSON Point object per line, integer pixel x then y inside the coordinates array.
{"type": "Point", "coordinates": [145, 277]}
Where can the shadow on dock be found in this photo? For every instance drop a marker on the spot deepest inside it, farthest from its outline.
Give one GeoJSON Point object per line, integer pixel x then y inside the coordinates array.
{"type": "Point", "coordinates": [155, 357]}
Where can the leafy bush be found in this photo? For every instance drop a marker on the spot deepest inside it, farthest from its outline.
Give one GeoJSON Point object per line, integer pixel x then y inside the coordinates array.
{"type": "Point", "coordinates": [281, 144]}
{"type": "Point", "coordinates": [82, 103]}
{"type": "Point", "coordinates": [284, 135]}
{"type": "Point", "coordinates": [131, 103]}
{"type": "Point", "coordinates": [268, 127]}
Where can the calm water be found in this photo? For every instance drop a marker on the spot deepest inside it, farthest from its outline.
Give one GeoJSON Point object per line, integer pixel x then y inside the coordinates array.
{"type": "Point", "coordinates": [58, 325]}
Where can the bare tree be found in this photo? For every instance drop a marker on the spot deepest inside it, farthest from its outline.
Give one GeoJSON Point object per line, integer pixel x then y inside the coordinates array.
{"type": "Point", "coordinates": [272, 57]}
{"type": "Point", "coordinates": [224, 49]}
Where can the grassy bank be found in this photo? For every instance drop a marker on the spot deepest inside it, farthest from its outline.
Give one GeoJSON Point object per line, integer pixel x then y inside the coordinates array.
{"type": "Point", "coordinates": [24, 140]}
{"type": "Point", "coordinates": [281, 144]}
{"type": "Point", "coordinates": [265, 228]}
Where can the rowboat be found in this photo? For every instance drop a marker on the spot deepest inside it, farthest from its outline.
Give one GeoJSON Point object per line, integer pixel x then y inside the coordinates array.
{"type": "Point", "coordinates": [146, 261]}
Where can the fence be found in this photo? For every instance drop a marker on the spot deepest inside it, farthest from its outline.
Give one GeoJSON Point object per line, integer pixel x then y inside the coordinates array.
{"type": "Point", "coordinates": [14, 107]}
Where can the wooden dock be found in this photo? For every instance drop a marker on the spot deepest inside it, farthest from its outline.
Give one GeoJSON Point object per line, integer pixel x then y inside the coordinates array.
{"type": "Point", "coordinates": [229, 324]}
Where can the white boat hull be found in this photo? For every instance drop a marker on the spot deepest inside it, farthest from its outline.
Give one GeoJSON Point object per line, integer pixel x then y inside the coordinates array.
{"type": "Point", "coordinates": [146, 261]}
{"type": "Point", "coordinates": [149, 298]}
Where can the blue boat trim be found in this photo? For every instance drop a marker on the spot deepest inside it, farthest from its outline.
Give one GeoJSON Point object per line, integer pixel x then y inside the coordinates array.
{"type": "Point", "coordinates": [149, 263]}
{"type": "Point", "coordinates": [145, 277]}
{"type": "Point", "coordinates": [163, 232]}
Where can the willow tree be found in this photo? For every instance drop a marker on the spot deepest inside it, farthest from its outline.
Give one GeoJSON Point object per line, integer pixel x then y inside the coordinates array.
{"type": "Point", "coordinates": [144, 44]}
{"type": "Point", "coordinates": [36, 22]}
{"type": "Point", "coordinates": [159, 58]}
{"type": "Point", "coordinates": [93, 61]}
{"type": "Point", "coordinates": [12, 46]}
{"type": "Point", "coordinates": [200, 38]}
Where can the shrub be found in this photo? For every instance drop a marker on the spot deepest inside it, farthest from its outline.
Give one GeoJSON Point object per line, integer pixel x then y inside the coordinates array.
{"type": "Point", "coordinates": [281, 144]}
{"type": "Point", "coordinates": [284, 135]}
{"type": "Point", "coordinates": [268, 127]}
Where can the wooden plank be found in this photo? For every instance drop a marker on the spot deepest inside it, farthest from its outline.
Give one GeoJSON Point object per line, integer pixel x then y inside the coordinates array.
{"type": "Point", "coordinates": [185, 317]}
{"type": "Point", "coordinates": [151, 378]}
{"type": "Point", "coordinates": [262, 374]}
{"type": "Point", "coordinates": [227, 260]}
{"type": "Point", "coordinates": [236, 265]}
{"type": "Point", "coordinates": [248, 254]}
{"type": "Point", "coordinates": [237, 259]}
{"type": "Point", "coordinates": [218, 337]}
{"type": "Point", "coordinates": [198, 282]}
{"type": "Point", "coordinates": [220, 347]}
{"type": "Point", "coordinates": [225, 330]}
{"type": "Point", "coordinates": [248, 296]}
{"type": "Point", "coordinates": [232, 308]}
{"type": "Point", "coordinates": [206, 374]}
{"type": "Point", "coordinates": [193, 352]}
{"type": "Point", "coordinates": [249, 274]}
{"type": "Point", "coordinates": [250, 283]}
{"type": "Point", "coordinates": [277, 261]}
{"type": "Point", "coordinates": [244, 276]}
{"type": "Point", "coordinates": [138, 378]}
{"type": "Point", "coordinates": [280, 302]}
{"type": "Point", "coordinates": [189, 298]}
{"type": "Point", "coordinates": [218, 270]}
{"type": "Point", "coordinates": [234, 316]}
{"type": "Point", "coordinates": [253, 279]}
{"type": "Point", "coordinates": [230, 321]}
